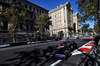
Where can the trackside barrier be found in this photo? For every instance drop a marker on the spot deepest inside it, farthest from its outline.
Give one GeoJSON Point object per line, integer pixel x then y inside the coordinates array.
{"type": "Point", "coordinates": [97, 59]}
{"type": "Point", "coordinates": [93, 56]}
{"type": "Point", "coordinates": [89, 50]}
{"type": "Point", "coordinates": [22, 43]}
{"type": "Point", "coordinates": [5, 45]}
{"type": "Point", "coordinates": [12, 44]}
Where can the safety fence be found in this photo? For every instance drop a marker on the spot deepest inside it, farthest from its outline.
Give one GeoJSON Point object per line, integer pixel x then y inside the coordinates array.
{"type": "Point", "coordinates": [97, 59]}
{"type": "Point", "coordinates": [16, 37]}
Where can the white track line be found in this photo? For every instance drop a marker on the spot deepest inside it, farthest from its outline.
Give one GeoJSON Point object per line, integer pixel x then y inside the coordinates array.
{"type": "Point", "coordinates": [55, 63]}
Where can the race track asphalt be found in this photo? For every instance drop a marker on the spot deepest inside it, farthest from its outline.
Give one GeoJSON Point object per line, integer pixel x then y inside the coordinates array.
{"type": "Point", "coordinates": [30, 55]}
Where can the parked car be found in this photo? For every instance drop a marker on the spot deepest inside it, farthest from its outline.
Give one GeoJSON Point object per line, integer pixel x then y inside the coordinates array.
{"type": "Point", "coordinates": [76, 37]}
{"type": "Point", "coordinates": [65, 38]}
{"type": "Point", "coordinates": [57, 38]}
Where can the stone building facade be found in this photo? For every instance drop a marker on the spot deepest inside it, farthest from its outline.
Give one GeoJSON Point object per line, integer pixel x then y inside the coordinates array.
{"type": "Point", "coordinates": [32, 11]}
{"type": "Point", "coordinates": [62, 19]}
{"type": "Point", "coordinates": [76, 23]}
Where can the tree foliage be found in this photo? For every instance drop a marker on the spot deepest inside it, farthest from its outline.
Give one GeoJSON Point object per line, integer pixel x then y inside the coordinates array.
{"type": "Point", "coordinates": [88, 9]}
{"type": "Point", "coordinates": [96, 28]}
{"type": "Point", "coordinates": [90, 30]}
{"type": "Point", "coordinates": [15, 16]}
{"type": "Point", "coordinates": [43, 22]}
{"type": "Point", "coordinates": [60, 33]}
{"type": "Point", "coordinates": [85, 27]}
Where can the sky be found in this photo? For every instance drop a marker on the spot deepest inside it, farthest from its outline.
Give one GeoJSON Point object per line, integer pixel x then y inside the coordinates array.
{"type": "Point", "coordinates": [51, 4]}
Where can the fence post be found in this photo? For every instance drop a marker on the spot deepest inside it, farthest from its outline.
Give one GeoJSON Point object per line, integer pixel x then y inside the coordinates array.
{"type": "Point", "coordinates": [97, 59]}
{"type": "Point", "coordinates": [1, 38]}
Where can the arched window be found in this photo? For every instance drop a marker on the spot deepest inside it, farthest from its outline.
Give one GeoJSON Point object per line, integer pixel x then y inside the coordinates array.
{"type": "Point", "coordinates": [37, 10]}
{"type": "Point", "coordinates": [30, 7]}
{"type": "Point", "coordinates": [74, 26]}
{"type": "Point", "coordinates": [25, 6]}
{"type": "Point", "coordinates": [33, 9]}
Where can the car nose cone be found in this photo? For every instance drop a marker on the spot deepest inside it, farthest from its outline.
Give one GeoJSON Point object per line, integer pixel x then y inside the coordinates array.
{"type": "Point", "coordinates": [48, 54]}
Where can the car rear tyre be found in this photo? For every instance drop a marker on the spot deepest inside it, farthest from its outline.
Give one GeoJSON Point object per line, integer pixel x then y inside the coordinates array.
{"type": "Point", "coordinates": [50, 49]}
{"type": "Point", "coordinates": [67, 53]}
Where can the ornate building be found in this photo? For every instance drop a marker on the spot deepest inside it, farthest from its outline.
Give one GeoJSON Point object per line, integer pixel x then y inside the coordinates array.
{"type": "Point", "coordinates": [32, 11]}
{"type": "Point", "coordinates": [62, 19]}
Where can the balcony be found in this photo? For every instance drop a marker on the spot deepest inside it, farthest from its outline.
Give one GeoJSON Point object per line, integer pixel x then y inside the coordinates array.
{"type": "Point", "coordinates": [29, 20]}
{"type": "Point", "coordinates": [4, 3]}
{"type": "Point", "coordinates": [18, 5]}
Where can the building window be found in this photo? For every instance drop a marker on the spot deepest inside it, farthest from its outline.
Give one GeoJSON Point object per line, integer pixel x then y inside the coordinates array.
{"type": "Point", "coordinates": [65, 25]}
{"type": "Point", "coordinates": [0, 8]}
{"type": "Point", "coordinates": [31, 27]}
{"type": "Point", "coordinates": [26, 15]}
{"type": "Point", "coordinates": [19, 3]}
{"type": "Point", "coordinates": [34, 17]}
{"type": "Point", "coordinates": [15, 2]}
{"type": "Point", "coordinates": [21, 27]}
{"type": "Point", "coordinates": [40, 12]}
{"type": "Point", "coordinates": [64, 8]}
{"type": "Point", "coordinates": [33, 9]}
{"type": "Point", "coordinates": [27, 26]}
{"type": "Point", "coordinates": [64, 16]}
{"type": "Point", "coordinates": [64, 21]}
{"type": "Point", "coordinates": [55, 16]}
{"type": "Point", "coordinates": [5, 0]}
{"type": "Point", "coordinates": [31, 16]}
{"type": "Point", "coordinates": [25, 6]}
{"type": "Point", "coordinates": [5, 25]}
{"type": "Point", "coordinates": [8, 0]}
{"type": "Point", "coordinates": [30, 7]}
{"type": "Point", "coordinates": [37, 10]}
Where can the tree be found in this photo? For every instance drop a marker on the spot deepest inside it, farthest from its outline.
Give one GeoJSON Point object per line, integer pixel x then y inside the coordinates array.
{"type": "Point", "coordinates": [90, 30]}
{"type": "Point", "coordinates": [43, 22]}
{"type": "Point", "coordinates": [96, 28]}
{"type": "Point", "coordinates": [15, 16]}
{"type": "Point", "coordinates": [60, 33]}
{"type": "Point", "coordinates": [88, 9]}
{"type": "Point", "coordinates": [85, 27]}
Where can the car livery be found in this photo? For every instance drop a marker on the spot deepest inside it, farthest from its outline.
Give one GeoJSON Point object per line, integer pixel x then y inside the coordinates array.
{"type": "Point", "coordinates": [61, 52]}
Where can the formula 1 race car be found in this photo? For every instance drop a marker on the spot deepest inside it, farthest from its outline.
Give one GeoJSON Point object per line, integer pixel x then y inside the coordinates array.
{"type": "Point", "coordinates": [61, 52]}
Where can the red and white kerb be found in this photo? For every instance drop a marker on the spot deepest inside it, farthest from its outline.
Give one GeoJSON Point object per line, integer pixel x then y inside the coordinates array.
{"type": "Point", "coordinates": [85, 48]}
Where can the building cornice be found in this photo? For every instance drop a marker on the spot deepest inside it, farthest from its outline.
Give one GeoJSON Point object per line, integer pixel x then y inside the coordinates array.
{"type": "Point", "coordinates": [6, 3]}
{"type": "Point", "coordinates": [59, 7]}
{"type": "Point", "coordinates": [36, 5]}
